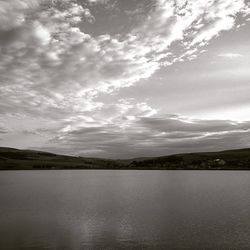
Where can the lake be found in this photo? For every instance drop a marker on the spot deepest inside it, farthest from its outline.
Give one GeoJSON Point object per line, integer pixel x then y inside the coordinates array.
{"type": "Point", "coordinates": [111, 209]}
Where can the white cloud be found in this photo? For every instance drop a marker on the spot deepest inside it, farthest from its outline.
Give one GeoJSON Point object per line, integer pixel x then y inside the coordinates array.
{"type": "Point", "coordinates": [107, 4]}
{"type": "Point", "coordinates": [41, 33]}
{"type": "Point", "coordinates": [51, 52]}
{"type": "Point", "coordinates": [98, 1]}
{"type": "Point", "coordinates": [13, 12]}
{"type": "Point", "coordinates": [230, 55]}
{"type": "Point", "coordinates": [246, 10]}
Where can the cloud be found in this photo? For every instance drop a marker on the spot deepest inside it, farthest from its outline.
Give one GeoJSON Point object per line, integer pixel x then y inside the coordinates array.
{"type": "Point", "coordinates": [246, 10]}
{"type": "Point", "coordinates": [53, 68]}
{"type": "Point", "coordinates": [154, 136]}
{"type": "Point", "coordinates": [230, 55]}
{"type": "Point", "coordinates": [3, 130]}
{"type": "Point", "coordinates": [47, 58]}
{"type": "Point", "coordinates": [107, 4]}
{"type": "Point", "coordinates": [13, 13]}
{"type": "Point", "coordinates": [98, 1]}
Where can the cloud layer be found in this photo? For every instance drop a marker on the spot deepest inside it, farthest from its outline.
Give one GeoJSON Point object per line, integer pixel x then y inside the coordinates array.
{"type": "Point", "coordinates": [153, 136]}
{"type": "Point", "coordinates": [51, 68]}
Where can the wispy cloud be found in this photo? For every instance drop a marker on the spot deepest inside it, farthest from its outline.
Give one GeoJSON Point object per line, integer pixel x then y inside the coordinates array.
{"type": "Point", "coordinates": [230, 55]}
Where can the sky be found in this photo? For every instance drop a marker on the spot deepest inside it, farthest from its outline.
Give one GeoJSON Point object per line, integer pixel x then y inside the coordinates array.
{"type": "Point", "coordinates": [124, 78]}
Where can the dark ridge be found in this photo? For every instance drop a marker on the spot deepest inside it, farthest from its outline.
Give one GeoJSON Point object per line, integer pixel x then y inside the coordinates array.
{"type": "Point", "coordinates": [16, 159]}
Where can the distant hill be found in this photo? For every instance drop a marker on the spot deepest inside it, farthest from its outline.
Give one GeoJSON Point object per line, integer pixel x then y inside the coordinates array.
{"type": "Point", "coordinates": [230, 159]}
{"type": "Point", "coordinates": [15, 159]}
{"type": "Point", "coordinates": [11, 158]}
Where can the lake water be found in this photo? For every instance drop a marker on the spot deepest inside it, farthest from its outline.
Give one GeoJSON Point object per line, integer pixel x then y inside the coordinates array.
{"type": "Point", "coordinates": [105, 209]}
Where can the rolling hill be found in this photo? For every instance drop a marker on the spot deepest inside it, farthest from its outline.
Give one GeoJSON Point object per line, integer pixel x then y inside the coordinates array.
{"type": "Point", "coordinates": [15, 159]}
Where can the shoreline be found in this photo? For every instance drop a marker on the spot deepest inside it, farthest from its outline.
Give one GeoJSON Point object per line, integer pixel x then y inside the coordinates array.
{"type": "Point", "coordinates": [128, 169]}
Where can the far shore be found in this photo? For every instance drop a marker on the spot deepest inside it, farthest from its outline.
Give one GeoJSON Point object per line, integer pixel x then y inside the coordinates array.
{"type": "Point", "coordinates": [15, 159]}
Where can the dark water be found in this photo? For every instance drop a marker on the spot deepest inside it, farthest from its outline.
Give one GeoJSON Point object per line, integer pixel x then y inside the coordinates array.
{"type": "Point", "coordinates": [124, 210]}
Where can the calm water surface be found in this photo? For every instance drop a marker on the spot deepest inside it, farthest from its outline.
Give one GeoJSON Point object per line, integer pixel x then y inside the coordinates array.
{"type": "Point", "coordinates": [124, 210]}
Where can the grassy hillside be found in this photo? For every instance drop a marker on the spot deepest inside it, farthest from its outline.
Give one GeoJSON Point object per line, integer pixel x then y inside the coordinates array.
{"type": "Point", "coordinates": [231, 159]}
{"type": "Point", "coordinates": [28, 159]}
{"type": "Point", "coordinates": [14, 159]}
